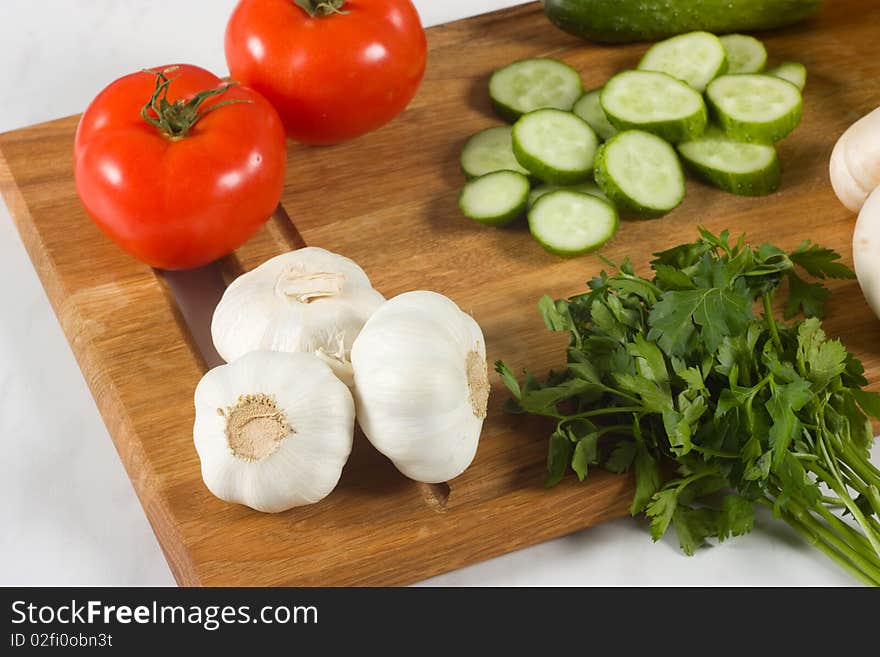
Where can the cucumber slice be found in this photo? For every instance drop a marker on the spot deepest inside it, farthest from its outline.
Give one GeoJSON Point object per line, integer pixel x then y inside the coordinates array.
{"type": "Point", "coordinates": [568, 223]}
{"type": "Point", "coordinates": [556, 146]}
{"type": "Point", "coordinates": [793, 72]}
{"type": "Point", "coordinates": [589, 108]}
{"type": "Point", "coordinates": [656, 103]}
{"type": "Point", "coordinates": [488, 151]}
{"type": "Point", "coordinates": [745, 54]}
{"type": "Point", "coordinates": [696, 58]}
{"type": "Point", "coordinates": [640, 172]}
{"type": "Point", "coordinates": [737, 167]}
{"type": "Point", "coordinates": [759, 108]}
{"type": "Point", "coordinates": [588, 187]}
{"type": "Point", "coordinates": [532, 84]}
{"type": "Point", "coordinates": [495, 199]}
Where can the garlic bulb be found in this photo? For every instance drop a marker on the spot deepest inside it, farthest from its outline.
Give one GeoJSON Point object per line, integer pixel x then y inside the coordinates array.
{"type": "Point", "coordinates": [308, 300]}
{"type": "Point", "coordinates": [422, 385]}
{"type": "Point", "coordinates": [273, 430]}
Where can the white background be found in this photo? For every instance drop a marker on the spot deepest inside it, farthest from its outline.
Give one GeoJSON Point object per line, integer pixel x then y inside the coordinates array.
{"type": "Point", "coordinates": [68, 514]}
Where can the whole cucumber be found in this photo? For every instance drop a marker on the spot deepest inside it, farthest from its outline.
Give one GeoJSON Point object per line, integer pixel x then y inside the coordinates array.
{"type": "Point", "coordinates": [620, 21]}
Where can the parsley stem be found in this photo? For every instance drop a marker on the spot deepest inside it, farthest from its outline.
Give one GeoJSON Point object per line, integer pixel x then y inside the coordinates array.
{"type": "Point", "coordinates": [715, 452]}
{"type": "Point", "coordinates": [603, 411]}
{"type": "Point", "coordinates": [865, 469]}
{"type": "Point", "coordinates": [857, 486]}
{"type": "Point", "coordinates": [833, 502]}
{"type": "Point", "coordinates": [819, 535]}
{"type": "Point", "coordinates": [805, 457]}
{"type": "Point", "coordinates": [859, 560]}
{"type": "Point", "coordinates": [771, 323]}
{"type": "Point", "coordinates": [616, 428]}
{"type": "Point", "coordinates": [845, 531]}
{"type": "Point", "coordinates": [620, 393]}
{"type": "Point", "coordinates": [840, 488]}
{"type": "Point", "coordinates": [836, 556]}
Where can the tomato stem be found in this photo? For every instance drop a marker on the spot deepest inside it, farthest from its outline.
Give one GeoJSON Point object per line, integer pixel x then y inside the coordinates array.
{"type": "Point", "coordinates": [319, 8]}
{"type": "Point", "coordinates": [176, 119]}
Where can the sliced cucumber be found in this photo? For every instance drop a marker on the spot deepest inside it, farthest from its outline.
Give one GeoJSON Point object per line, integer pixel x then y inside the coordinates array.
{"type": "Point", "coordinates": [556, 146]}
{"type": "Point", "coordinates": [588, 187]}
{"type": "Point", "coordinates": [640, 172]}
{"type": "Point", "coordinates": [656, 103]}
{"type": "Point", "coordinates": [490, 150]}
{"type": "Point", "coordinates": [696, 58]}
{"type": "Point", "coordinates": [568, 223]}
{"type": "Point", "coordinates": [794, 72]}
{"type": "Point", "coordinates": [589, 108]}
{"type": "Point", "coordinates": [745, 54]}
{"type": "Point", "coordinates": [532, 84]}
{"type": "Point", "coordinates": [737, 167]}
{"type": "Point", "coordinates": [759, 108]}
{"type": "Point", "coordinates": [495, 199]}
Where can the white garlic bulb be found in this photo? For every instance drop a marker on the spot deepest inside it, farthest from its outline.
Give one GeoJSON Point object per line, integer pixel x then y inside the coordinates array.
{"type": "Point", "coordinates": [308, 300]}
{"type": "Point", "coordinates": [421, 385]}
{"type": "Point", "coordinates": [273, 430]}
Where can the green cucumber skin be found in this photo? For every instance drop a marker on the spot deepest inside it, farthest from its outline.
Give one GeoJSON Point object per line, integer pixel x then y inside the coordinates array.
{"type": "Point", "coordinates": [617, 196]}
{"type": "Point", "coordinates": [504, 112]}
{"type": "Point", "coordinates": [500, 220]}
{"type": "Point", "coordinates": [563, 253]}
{"type": "Point", "coordinates": [624, 21]}
{"type": "Point", "coordinates": [544, 173]}
{"type": "Point", "coordinates": [761, 184]}
{"type": "Point", "coordinates": [766, 133]}
{"type": "Point", "coordinates": [510, 114]}
{"type": "Point", "coordinates": [672, 131]}
{"type": "Point", "coordinates": [784, 71]}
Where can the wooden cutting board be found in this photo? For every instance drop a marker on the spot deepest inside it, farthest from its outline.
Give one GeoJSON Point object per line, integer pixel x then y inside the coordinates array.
{"type": "Point", "coordinates": [388, 201]}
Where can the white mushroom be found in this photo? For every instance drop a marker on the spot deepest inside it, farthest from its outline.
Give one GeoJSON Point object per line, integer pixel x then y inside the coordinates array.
{"type": "Point", "coordinates": [855, 161]}
{"type": "Point", "coordinates": [866, 250]}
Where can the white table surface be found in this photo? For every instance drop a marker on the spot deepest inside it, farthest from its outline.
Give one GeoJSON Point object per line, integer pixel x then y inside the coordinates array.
{"type": "Point", "coordinates": [68, 512]}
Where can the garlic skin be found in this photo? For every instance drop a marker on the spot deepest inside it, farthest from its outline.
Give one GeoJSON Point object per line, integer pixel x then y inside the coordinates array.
{"type": "Point", "coordinates": [866, 250]}
{"type": "Point", "coordinates": [421, 385]}
{"type": "Point", "coordinates": [308, 300]}
{"type": "Point", "coordinates": [273, 430]}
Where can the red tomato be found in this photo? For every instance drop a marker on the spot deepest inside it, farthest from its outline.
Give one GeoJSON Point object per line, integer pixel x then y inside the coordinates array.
{"type": "Point", "coordinates": [346, 70]}
{"type": "Point", "coordinates": [177, 202]}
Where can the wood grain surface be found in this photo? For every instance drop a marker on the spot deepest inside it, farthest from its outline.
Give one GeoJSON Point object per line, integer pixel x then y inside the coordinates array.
{"type": "Point", "coordinates": [388, 201]}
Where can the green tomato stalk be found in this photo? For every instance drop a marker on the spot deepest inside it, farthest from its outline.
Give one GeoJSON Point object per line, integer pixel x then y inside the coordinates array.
{"type": "Point", "coordinates": [319, 8]}
{"type": "Point", "coordinates": [176, 119]}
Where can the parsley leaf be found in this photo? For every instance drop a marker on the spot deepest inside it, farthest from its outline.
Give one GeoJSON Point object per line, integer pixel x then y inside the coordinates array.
{"type": "Point", "coordinates": [820, 262]}
{"type": "Point", "coordinates": [869, 401]}
{"type": "Point", "coordinates": [585, 454]}
{"type": "Point", "coordinates": [558, 458]}
{"type": "Point", "coordinates": [647, 478]}
{"type": "Point", "coordinates": [805, 298]}
{"type": "Point", "coordinates": [819, 359]}
{"type": "Point", "coordinates": [718, 312]}
{"type": "Point", "coordinates": [737, 517]}
{"type": "Point", "coordinates": [509, 379]}
{"type": "Point", "coordinates": [660, 511]}
{"type": "Point", "coordinates": [621, 458]}
{"type": "Point", "coordinates": [694, 526]}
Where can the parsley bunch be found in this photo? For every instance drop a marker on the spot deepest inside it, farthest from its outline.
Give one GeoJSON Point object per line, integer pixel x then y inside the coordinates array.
{"type": "Point", "coordinates": [714, 407]}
